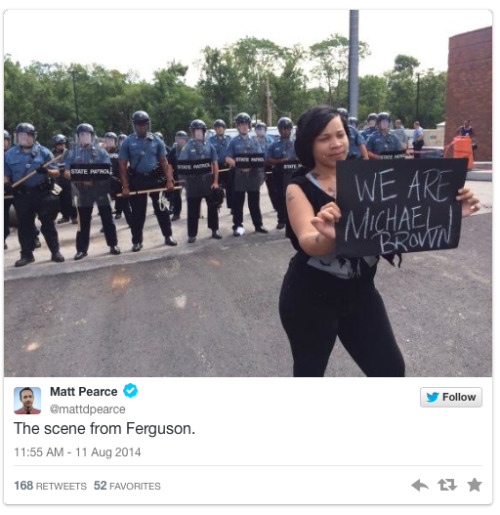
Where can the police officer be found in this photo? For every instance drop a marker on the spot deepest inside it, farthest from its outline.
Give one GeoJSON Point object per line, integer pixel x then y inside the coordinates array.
{"type": "Point", "coordinates": [371, 126]}
{"type": "Point", "coordinates": [86, 193]}
{"type": "Point", "coordinates": [121, 139]}
{"type": "Point", "coordinates": [220, 141]}
{"type": "Point", "coordinates": [281, 156]}
{"type": "Point", "coordinates": [382, 144]}
{"type": "Point", "coordinates": [181, 138]}
{"type": "Point", "coordinates": [6, 140]}
{"type": "Point", "coordinates": [7, 202]}
{"type": "Point", "coordinates": [245, 179]}
{"type": "Point", "coordinates": [122, 205]}
{"type": "Point", "coordinates": [35, 196]}
{"type": "Point", "coordinates": [357, 148]}
{"type": "Point", "coordinates": [144, 152]}
{"type": "Point", "coordinates": [200, 185]}
{"type": "Point", "coordinates": [68, 211]}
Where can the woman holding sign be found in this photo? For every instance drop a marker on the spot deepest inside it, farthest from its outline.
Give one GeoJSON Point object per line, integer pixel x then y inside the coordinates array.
{"type": "Point", "coordinates": [322, 296]}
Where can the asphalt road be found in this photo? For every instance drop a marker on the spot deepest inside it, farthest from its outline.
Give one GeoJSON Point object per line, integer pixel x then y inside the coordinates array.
{"type": "Point", "coordinates": [212, 310]}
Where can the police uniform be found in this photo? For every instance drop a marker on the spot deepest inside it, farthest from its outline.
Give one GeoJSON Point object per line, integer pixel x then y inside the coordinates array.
{"type": "Point", "coordinates": [175, 196]}
{"type": "Point", "coordinates": [68, 211]}
{"type": "Point", "coordinates": [355, 139]}
{"type": "Point", "coordinates": [143, 155]}
{"type": "Point", "coordinates": [88, 193]}
{"type": "Point", "coordinates": [33, 197]}
{"type": "Point", "coordinates": [195, 150]}
{"type": "Point", "coordinates": [221, 144]}
{"type": "Point", "coordinates": [281, 149]}
{"type": "Point", "coordinates": [384, 144]}
{"type": "Point", "coordinates": [122, 204]}
{"type": "Point", "coordinates": [239, 145]}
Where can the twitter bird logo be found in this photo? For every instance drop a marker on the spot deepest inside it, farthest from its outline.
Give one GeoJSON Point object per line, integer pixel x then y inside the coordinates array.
{"type": "Point", "coordinates": [432, 397]}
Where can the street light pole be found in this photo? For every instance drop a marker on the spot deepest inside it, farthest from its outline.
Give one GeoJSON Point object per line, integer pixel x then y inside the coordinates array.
{"type": "Point", "coordinates": [74, 95]}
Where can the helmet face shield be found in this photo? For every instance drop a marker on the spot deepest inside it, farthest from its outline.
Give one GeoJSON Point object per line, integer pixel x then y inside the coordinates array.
{"type": "Point", "coordinates": [243, 127]}
{"type": "Point", "coordinates": [384, 124]}
{"type": "Point", "coordinates": [198, 134]}
{"type": "Point", "coordinates": [109, 142]}
{"type": "Point", "coordinates": [85, 138]}
{"type": "Point", "coordinates": [260, 131]}
{"type": "Point", "coordinates": [24, 139]}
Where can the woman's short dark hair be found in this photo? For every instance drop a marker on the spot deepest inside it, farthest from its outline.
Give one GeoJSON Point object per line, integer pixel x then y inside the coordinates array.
{"type": "Point", "coordinates": [309, 127]}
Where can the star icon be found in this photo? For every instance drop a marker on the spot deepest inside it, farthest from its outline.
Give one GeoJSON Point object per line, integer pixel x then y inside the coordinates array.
{"type": "Point", "coordinates": [474, 484]}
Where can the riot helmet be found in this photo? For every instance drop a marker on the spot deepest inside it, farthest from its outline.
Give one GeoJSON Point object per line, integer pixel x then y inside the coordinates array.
{"type": "Point", "coordinates": [242, 119]}
{"type": "Point", "coordinates": [25, 134]}
{"type": "Point", "coordinates": [141, 122]}
{"type": "Point", "coordinates": [285, 127]}
{"type": "Point", "coordinates": [6, 140]}
{"type": "Point", "coordinates": [85, 134]}
{"type": "Point", "coordinates": [219, 123]}
{"type": "Point", "coordinates": [198, 129]}
{"type": "Point", "coordinates": [353, 121]}
{"type": "Point", "coordinates": [160, 135]}
{"type": "Point", "coordinates": [383, 120]}
{"type": "Point", "coordinates": [371, 119]}
{"type": "Point", "coordinates": [344, 113]}
{"type": "Point", "coordinates": [110, 141]}
{"type": "Point", "coordinates": [59, 139]}
{"type": "Point", "coordinates": [181, 138]}
{"type": "Point", "coordinates": [121, 138]}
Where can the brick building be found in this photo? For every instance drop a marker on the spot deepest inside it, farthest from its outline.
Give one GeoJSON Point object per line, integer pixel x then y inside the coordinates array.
{"type": "Point", "coordinates": [469, 87]}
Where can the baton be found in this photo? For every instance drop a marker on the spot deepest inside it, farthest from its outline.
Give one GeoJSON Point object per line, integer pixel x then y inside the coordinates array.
{"type": "Point", "coordinates": [143, 192]}
{"type": "Point", "coordinates": [33, 172]}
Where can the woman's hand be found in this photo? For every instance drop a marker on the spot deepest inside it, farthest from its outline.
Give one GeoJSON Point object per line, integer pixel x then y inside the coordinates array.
{"type": "Point", "coordinates": [324, 221]}
{"type": "Point", "coordinates": [470, 203]}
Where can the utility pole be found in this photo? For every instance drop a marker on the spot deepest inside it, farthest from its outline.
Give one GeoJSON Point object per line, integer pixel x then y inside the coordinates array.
{"type": "Point", "coordinates": [73, 72]}
{"type": "Point", "coordinates": [418, 96]}
{"type": "Point", "coordinates": [230, 107]}
{"type": "Point", "coordinates": [353, 95]}
{"type": "Point", "coordinates": [268, 104]}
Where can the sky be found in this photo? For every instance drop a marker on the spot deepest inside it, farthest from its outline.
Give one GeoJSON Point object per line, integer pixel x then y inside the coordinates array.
{"type": "Point", "coordinates": [143, 41]}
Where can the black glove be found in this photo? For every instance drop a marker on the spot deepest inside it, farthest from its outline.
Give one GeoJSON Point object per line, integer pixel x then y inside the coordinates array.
{"type": "Point", "coordinates": [41, 169]}
{"type": "Point", "coordinates": [7, 188]}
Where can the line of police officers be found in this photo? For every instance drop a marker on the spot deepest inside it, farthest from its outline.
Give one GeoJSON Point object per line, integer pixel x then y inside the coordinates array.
{"type": "Point", "coordinates": [141, 162]}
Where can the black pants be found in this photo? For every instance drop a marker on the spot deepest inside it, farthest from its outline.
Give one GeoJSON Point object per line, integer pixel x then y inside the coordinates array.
{"type": "Point", "coordinates": [176, 197]}
{"type": "Point", "coordinates": [315, 308]}
{"type": "Point", "coordinates": [271, 189]}
{"type": "Point", "coordinates": [139, 205]}
{"type": "Point", "coordinates": [6, 226]}
{"type": "Point", "coordinates": [30, 204]}
{"type": "Point", "coordinates": [83, 234]}
{"type": "Point", "coordinates": [253, 206]}
{"type": "Point", "coordinates": [176, 202]}
{"type": "Point", "coordinates": [66, 206]}
{"type": "Point", "coordinates": [226, 180]}
{"type": "Point", "coordinates": [193, 207]}
{"type": "Point", "coordinates": [279, 195]}
{"type": "Point", "coordinates": [122, 205]}
{"type": "Point", "coordinates": [417, 147]}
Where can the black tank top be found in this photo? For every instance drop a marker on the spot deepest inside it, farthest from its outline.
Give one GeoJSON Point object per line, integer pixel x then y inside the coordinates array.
{"type": "Point", "coordinates": [341, 268]}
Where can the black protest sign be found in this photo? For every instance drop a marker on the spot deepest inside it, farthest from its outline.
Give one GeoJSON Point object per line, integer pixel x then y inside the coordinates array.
{"type": "Point", "coordinates": [398, 206]}
{"type": "Point", "coordinates": [249, 160]}
{"type": "Point", "coordinates": [194, 167]}
{"type": "Point", "coordinates": [90, 172]}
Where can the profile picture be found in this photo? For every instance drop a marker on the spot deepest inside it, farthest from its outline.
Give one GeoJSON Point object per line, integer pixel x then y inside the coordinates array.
{"type": "Point", "coordinates": [27, 400]}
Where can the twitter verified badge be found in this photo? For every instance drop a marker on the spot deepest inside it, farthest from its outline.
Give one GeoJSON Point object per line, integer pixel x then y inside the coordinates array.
{"type": "Point", "coordinates": [451, 398]}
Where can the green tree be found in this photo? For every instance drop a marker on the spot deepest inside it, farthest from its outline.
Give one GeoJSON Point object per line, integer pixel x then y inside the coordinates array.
{"type": "Point", "coordinates": [331, 57]}
{"type": "Point", "coordinates": [372, 95]}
